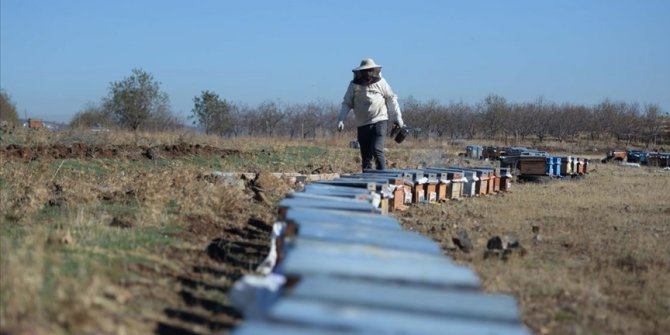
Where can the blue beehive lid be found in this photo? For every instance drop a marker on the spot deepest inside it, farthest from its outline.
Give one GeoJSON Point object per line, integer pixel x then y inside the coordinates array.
{"type": "Point", "coordinates": [350, 260]}
{"type": "Point", "coordinates": [382, 321]}
{"type": "Point", "coordinates": [411, 298]}
{"type": "Point", "coordinates": [365, 235]}
{"type": "Point", "coordinates": [276, 328]}
{"type": "Point", "coordinates": [335, 190]}
{"type": "Point", "coordinates": [306, 215]}
{"type": "Point", "coordinates": [330, 197]}
{"type": "Point", "coordinates": [356, 206]}
{"type": "Point", "coordinates": [372, 186]}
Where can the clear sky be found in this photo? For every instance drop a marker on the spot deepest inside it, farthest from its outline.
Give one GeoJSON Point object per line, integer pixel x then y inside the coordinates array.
{"type": "Point", "coordinates": [56, 56]}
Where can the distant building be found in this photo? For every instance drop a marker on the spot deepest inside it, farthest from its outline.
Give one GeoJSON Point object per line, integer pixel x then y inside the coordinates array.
{"type": "Point", "coordinates": [35, 124]}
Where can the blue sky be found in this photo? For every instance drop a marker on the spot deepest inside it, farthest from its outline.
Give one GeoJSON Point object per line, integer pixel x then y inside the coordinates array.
{"type": "Point", "coordinates": [56, 56]}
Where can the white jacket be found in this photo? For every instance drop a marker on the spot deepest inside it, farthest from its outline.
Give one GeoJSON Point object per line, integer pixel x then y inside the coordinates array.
{"type": "Point", "coordinates": [371, 104]}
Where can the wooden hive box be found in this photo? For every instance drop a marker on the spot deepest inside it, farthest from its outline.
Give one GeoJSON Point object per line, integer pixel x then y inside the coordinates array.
{"type": "Point", "coordinates": [431, 187]}
{"type": "Point", "coordinates": [496, 185]}
{"type": "Point", "coordinates": [586, 166]}
{"type": "Point", "coordinates": [482, 185]}
{"type": "Point", "coordinates": [455, 187]}
{"type": "Point", "coordinates": [566, 166]}
{"type": "Point", "coordinates": [454, 190]}
{"type": "Point", "coordinates": [408, 199]}
{"type": "Point", "coordinates": [580, 166]}
{"type": "Point", "coordinates": [505, 179]}
{"type": "Point", "coordinates": [442, 186]}
{"type": "Point", "coordinates": [398, 194]}
{"type": "Point", "coordinates": [418, 193]}
{"type": "Point", "coordinates": [492, 175]}
{"type": "Point", "coordinates": [492, 182]}
{"type": "Point", "coordinates": [532, 165]}
{"type": "Point", "coordinates": [469, 186]}
{"type": "Point", "coordinates": [431, 192]}
{"type": "Point", "coordinates": [573, 165]}
{"type": "Point", "coordinates": [418, 188]}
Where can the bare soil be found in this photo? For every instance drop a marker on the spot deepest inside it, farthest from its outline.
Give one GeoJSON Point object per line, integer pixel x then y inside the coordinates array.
{"type": "Point", "coordinates": [27, 153]}
{"type": "Point", "coordinates": [593, 254]}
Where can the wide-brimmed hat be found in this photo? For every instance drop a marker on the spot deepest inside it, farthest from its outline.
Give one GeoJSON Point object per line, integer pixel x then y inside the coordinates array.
{"type": "Point", "coordinates": [367, 63]}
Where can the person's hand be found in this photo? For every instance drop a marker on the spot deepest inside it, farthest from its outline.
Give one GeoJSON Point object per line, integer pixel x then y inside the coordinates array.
{"type": "Point", "coordinates": [340, 126]}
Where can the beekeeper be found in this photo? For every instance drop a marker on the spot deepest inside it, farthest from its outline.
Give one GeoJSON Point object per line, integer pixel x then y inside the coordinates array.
{"type": "Point", "coordinates": [373, 101]}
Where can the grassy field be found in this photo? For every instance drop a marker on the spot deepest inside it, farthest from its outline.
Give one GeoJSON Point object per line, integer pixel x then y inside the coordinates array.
{"type": "Point", "coordinates": [116, 241]}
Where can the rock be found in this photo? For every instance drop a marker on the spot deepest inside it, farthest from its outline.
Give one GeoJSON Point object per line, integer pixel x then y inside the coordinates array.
{"type": "Point", "coordinates": [494, 243]}
{"type": "Point", "coordinates": [502, 247]}
{"type": "Point", "coordinates": [536, 234]}
{"type": "Point", "coordinates": [462, 240]}
{"type": "Point", "coordinates": [510, 242]}
{"type": "Point", "coordinates": [259, 195]}
{"type": "Point", "coordinates": [230, 179]}
{"type": "Point", "coordinates": [152, 153]}
{"type": "Point", "coordinates": [121, 222]}
{"type": "Point", "coordinates": [448, 244]}
{"type": "Point", "coordinates": [117, 293]}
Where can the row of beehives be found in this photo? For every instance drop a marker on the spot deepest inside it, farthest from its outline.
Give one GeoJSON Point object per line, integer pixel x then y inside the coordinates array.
{"type": "Point", "coordinates": [495, 152]}
{"type": "Point", "coordinates": [402, 187]}
{"type": "Point", "coordinates": [339, 265]}
{"type": "Point", "coordinates": [651, 158]}
{"type": "Point", "coordinates": [546, 165]}
{"type": "Point", "coordinates": [530, 162]}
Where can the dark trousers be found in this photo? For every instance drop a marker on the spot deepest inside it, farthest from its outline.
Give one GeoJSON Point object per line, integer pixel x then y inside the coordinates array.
{"type": "Point", "coordinates": [371, 141]}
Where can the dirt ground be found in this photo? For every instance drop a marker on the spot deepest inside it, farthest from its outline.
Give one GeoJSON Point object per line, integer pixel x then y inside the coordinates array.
{"type": "Point", "coordinates": [26, 153]}
{"type": "Point", "coordinates": [593, 256]}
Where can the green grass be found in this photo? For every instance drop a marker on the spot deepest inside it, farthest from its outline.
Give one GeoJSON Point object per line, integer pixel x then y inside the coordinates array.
{"type": "Point", "coordinates": [12, 232]}
{"type": "Point", "coordinates": [303, 155]}
{"type": "Point", "coordinates": [89, 167]}
{"type": "Point", "coordinates": [565, 315]}
{"type": "Point", "coordinates": [292, 157]}
{"type": "Point", "coordinates": [134, 238]}
{"type": "Point", "coordinates": [118, 209]}
{"type": "Point", "coordinates": [210, 162]}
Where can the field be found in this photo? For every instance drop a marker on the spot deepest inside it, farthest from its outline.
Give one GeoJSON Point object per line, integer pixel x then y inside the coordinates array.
{"type": "Point", "coordinates": [129, 233]}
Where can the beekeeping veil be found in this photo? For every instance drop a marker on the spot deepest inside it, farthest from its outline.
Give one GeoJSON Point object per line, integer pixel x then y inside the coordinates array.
{"type": "Point", "coordinates": [367, 73]}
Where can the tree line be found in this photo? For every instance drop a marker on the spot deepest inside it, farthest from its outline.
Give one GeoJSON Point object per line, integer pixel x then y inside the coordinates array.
{"type": "Point", "coordinates": [495, 118]}
{"type": "Point", "coordinates": [137, 102]}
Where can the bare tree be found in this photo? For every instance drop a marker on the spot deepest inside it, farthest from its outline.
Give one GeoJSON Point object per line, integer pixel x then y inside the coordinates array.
{"type": "Point", "coordinates": [575, 119]}
{"type": "Point", "coordinates": [93, 115]}
{"type": "Point", "coordinates": [269, 115]}
{"type": "Point", "coordinates": [304, 120]}
{"type": "Point", "coordinates": [494, 113]}
{"type": "Point", "coordinates": [652, 123]}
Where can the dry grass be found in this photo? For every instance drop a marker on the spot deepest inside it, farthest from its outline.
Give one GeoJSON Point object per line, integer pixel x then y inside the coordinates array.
{"type": "Point", "coordinates": [80, 240]}
{"type": "Point", "coordinates": [602, 259]}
